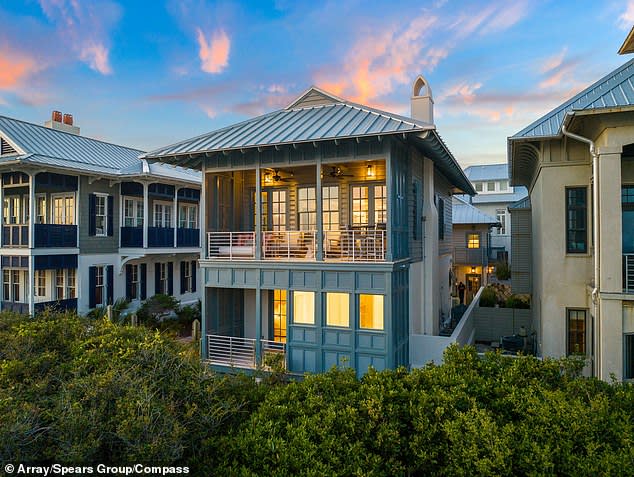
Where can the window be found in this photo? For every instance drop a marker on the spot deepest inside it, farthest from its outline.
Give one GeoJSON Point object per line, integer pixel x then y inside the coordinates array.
{"type": "Point", "coordinates": [504, 185]}
{"type": "Point", "coordinates": [187, 216]}
{"type": "Point", "coordinates": [6, 285]}
{"type": "Point", "coordinates": [330, 207]}
{"type": "Point", "coordinates": [63, 209]}
{"type": "Point", "coordinates": [307, 208]}
{"type": "Point", "coordinates": [278, 209]}
{"type": "Point", "coordinates": [360, 205]}
{"type": "Point", "coordinates": [71, 277]}
{"type": "Point", "coordinates": [500, 215]}
{"type": "Point", "coordinates": [11, 285]}
{"type": "Point", "coordinates": [473, 240]}
{"type": "Point", "coordinates": [100, 286]}
{"type": "Point", "coordinates": [101, 215]}
{"type": "Point", "coordinates": [304, 308]}
{"type": "Point", "coordinates": [441, 218]}
{"type": "Point", "coordinates": [60, 284]}
{"type": "Point", "coordinates": [629, 356]}
{"type": "Point", "coordinates": [369, 205]}
{"type": "Point", "coordinates": [40, 209]}
{"type": "Point", "coordinates": [338, 309]}
{"type": "Point", "coordinates": [133, 293]}
{"type": "Point", "coordinates": [163, 277]}
{"type": "Point", "coordinates": [371, 312]}
{"type": "Point", "coordinates": [627, 220]}
{"type": "Point", "coordinates": [380, 204]}
{"type": "Point", "coordinates": [576, 326]}
{"type": "Point", "coordinates": [40, 283]}
{"type": "Point", "coordinates": [26, 209]}
{"type": "Point", "coordinates": [187, 275]}
{"type": "Point", "coordinates": [162, 214]}
{"type": "Point", "coordinates": [279, 315]}
{"type": "Point", "coordinates": [491, 186]}
{"type": "Point", "coordinates": [132, 212]}
{"type": "Point", "coordinates": [11, 212]}
{"type": "Point", "coordinates": [576, 220]}
{"type": "Point", "coordinates": [478, 186]}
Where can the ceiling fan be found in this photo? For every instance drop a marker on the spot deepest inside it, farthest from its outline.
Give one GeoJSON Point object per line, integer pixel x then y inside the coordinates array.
{"type": "Point", "coordinates": [273, 175]}
{"type": "Point", "coordinates": [337, 172]}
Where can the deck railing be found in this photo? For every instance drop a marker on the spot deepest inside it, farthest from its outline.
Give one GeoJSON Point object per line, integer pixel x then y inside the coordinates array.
{"type": "Point", "coordinates": [628, 272]}
{"type": "Point", "coordinates": [231, 351]}
{"type": "Point", "coordinates": [288, 244]}
{"type": "Point", "coordinates": [231, 245]}
{"type": "Point", "coordinates": [355, 245]}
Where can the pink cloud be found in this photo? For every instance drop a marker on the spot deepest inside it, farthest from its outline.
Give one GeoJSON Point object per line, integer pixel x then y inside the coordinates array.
{"type": "Point", "coordinates": [626, 19]}
{"type": "Point", "coordinates": [214, 55]}
{"type": "Point", "coordinates": [15, 68]}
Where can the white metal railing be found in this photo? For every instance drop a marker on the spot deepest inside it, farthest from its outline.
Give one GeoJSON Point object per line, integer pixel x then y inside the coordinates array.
{"type": "Point", "coordinates": [368, 245]}
{"type": "Point", "coordinates": [231, 351]}
{"type": "Point", "coordinates": [273, 347]}
{"type": "Point", "coordinates": [628, 272]}
{"type": "Point", "coordinates": [288, 244]}
{"type": "Point", "coordinates": [231, 245]}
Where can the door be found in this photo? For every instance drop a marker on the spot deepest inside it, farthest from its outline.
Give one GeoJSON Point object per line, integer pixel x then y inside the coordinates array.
{"type": "Point", "coordinates": [473, 285]}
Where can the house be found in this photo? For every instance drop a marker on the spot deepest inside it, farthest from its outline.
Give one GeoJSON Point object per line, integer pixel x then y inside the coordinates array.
{"type": "Point", "coordinates": [577, 162]}
{"type": "Point", "coordinates": [495, 194]}
{"type": "Point", "coordinates": [328, 233]}
{"type": "Point", "coordinates": [86, 222]}
{"type": "Point", "coordinates": [471, 244]}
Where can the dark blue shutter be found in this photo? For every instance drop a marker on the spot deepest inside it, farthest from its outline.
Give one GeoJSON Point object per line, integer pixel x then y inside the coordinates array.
{"type": "Point", "coordinates": [170, 278]}
{"type": "Point", "coordinates": [183, 284]}
{"type": "Point", "coordinates": [92, 285]}
{"type": "Point", "coordinates": [157, 278]}
{"type": "Point", "coordinates": [110, 284]}
{"type": "Point", "coordinates": [110, 216]}
{"type": "Point", "coordinates": [193, 276]}
{"type": "Point", "coordinates": [143, 281]}
{"type": "Point", "coordinates": [92, 214]}
{"type": "Point", "coordinates": [128, 282]}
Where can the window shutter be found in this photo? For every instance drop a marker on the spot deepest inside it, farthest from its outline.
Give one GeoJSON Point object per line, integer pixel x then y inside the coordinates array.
{"type": "Point", "coordinates": [92, 284]}
{"type": "Point", "coordinates": [110, 284]}
{"type": "Point", "coordinates": [143, 279]}
{"type": "Point", "coordinates": [110, 216]}
{"type": "Point", "coordinates": [92, 214]}
{"type": "Point", "coordinates": [183, 284]}
{"type": "Point", "coordinates": [128, 282]}
{"type": "Point", "coordinates": [157, 278]}
{"type": "Point", "coordinates": [193, 276]}
{"type": "Point", "coordinates": [170, 278]}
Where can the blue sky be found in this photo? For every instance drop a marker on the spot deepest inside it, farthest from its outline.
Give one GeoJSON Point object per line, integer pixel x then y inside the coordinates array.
{"type": "Point", "coordinates": [146, 74]}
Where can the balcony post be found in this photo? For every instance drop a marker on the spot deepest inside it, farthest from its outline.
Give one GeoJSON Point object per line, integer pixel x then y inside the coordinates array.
{"type": "Point", "coordinates": [2, 223]}
{"type": "Point", "coordinates": [30, 285]}
{"type": "Point", "coordinates": [319, 253]}
{"type": "Point", "coordinates": [258, 212]}
{"type": "Point", "coordinates": [32, 211]}
{"type": "Point", "coordinates": [146, 206]}
{"type": "Point", "coordinates": [176, 189]}
{"type": "Point", "coordinates": [258, 325]}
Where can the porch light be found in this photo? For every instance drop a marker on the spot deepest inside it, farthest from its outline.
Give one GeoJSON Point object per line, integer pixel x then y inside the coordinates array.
{"type": "Point", "coordinates": [268, 178]}
{"type": "Point", "coordinates": [371, 172]}
{"type": "Point", "coordinates": [473, 269]}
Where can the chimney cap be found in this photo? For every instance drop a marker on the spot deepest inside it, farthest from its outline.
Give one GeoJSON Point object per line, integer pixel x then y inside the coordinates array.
{"type": "Point", "coordinates": [56, 116]}
{"type": "Point", "coordinates": [419, 84]}
{"type": "Point", "coordinates": [68, 119]}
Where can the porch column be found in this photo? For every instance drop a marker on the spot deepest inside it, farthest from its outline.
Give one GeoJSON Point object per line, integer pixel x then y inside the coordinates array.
{"type": "Point", "coordinates": [202, 208]}
{"type": "Point", "coordinates": [258, 325]}
{"type": "Point", "coordinates": [2, 223]}
{"type": "Point", "coordinates": [258, 214]}
{"type": "Point", "coordinates": [146, 214]}
{"type": "Point", "coordinates": [175, 215]}
{"type": "Point", "coordinates": [389, 190]}
{"type": "Point", "coordinates": [32, 210]}
{"type": "Point", "coordinates": [320, 216]}
{"type": "Point", "coordinates": [30, 286]}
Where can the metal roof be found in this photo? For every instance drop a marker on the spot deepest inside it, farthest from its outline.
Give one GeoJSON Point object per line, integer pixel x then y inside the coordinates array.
{"type": "Point", "coordinates": [519, 193]}
{"type": "Point", "coordinates": [484, 172]}
{"type": "Point", "coordinates": [39, 145]}
{"type": "Point", "coordinates": [464, 213]}
{"type": "Point", "coordinates": [522, 204]}
{"type": "Point", "coordinates": [288, 126]}
{"type": "Point", "coordinates": [613, 90]}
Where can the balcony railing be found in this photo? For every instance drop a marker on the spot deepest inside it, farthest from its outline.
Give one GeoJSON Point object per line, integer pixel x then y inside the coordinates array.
{"type": "Point", "coordinates": [240, 352]}
{"type": "Point", "coordinates": [628, 272]}
{"type": "Point", "coordinates": [160, 237]}
{"type": "Point", "coordinates": [57, 305]}
{"type": "Point", "coordinates": [55, 235]}
{"type": "Point", "coordinates": [15, 235]}
{"type": "Point", "coordinates": [470, 256]}
{"type": "Point", "coordinates": [187, 237]}
{"type": "Point", "coordinates": [367, 245]}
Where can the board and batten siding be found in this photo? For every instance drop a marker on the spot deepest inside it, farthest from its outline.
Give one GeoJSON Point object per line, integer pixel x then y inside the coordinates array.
{"type": "Point", "coordinates": [415, 206]}
{"type": "Point", "coordinates": [521, 253]}
{"type": "Point", "coordinates": [442, 189]}
{"type": "Point", "coordinates": [91, 244]}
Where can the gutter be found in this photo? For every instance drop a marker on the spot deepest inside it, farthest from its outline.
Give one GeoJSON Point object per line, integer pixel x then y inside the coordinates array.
{"type": "Point", "coordinates": [596, 238]}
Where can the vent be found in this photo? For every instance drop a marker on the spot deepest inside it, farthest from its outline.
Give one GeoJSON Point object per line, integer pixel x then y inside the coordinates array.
{"type": "Point", "coordinates": [6, 149]}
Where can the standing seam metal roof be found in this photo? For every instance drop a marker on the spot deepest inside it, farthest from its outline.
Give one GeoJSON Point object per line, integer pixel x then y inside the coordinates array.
{"type": "Point", "coordinates": [613, 90]}
{"type": "Point", "coordinates": [465, 213]}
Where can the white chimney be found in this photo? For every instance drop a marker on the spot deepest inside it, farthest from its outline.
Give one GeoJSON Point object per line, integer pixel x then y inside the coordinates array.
{"type": "Point", "coordinates": [422, 101]}
{"type": "Point", "coordinates": [62, 123]}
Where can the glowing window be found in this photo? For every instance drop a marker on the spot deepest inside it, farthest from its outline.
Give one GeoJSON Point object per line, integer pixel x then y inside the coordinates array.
{"type": "Point", "coordinates": [473, 240]}
{"type": "Point", "coordinates": [338, 309]}
{"type": "Point", "coordinates": [371, 312]}
{"type": "Point", "coordinates": [304, 308]}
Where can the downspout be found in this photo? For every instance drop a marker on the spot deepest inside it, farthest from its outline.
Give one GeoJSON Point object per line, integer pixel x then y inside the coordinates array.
{"type": "Point", "coordinates": [595, 223]}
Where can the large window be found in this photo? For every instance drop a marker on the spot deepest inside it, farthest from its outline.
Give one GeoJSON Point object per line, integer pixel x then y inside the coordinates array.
{"type": "Point", "coordinates": [330, 207]}
{"type": "Point", "coordinates": [11, 209]}
{"type": "Point", "coordinates": [63, 209]}
{"type": "Point", "coordinates": [187, 216]}
{"type": "Point", "coordinates": [101, 215]}
{"type": "Point", "coordinates": [576, 329]}
{"type": "Point", "coordinates": [338, 309]}
{"type": "Point", "coordinates": [500, 215]}
{"type": "Point", "coordinates": [371, 312]}
{"type": "Point", "coordinates": [491, 186]}
{"type": "Point", "coordinates": [629, 356]}
{"type": "Point", "coordinates": [369, 204]}
{"type": "Point", "coordinates": [473, 240]}
{"type": "Point", "coordinates": [360, 205]}
{"type": "Point", "coordinates": [132, 212]}
{"type": "Point", "coordinates": [278, 209]}
{"type": "Point", "coordinates": [380, 204]}
{"type": "Point", "coordinates": [100, 286]}
{"type": "Point", "coordinates": [12, 284]}
{"type": "Point", "coordinates": [576, 220]}
{"type": "Point", "coordinates": [304, 308]}
{"type": "Point", "coordinates": [162, 214]}
{"type": "Point", "coordinates": [307, 208]}
{"type": "Point", "coordinates": [279, 315]}
{"type": "Point", "coordinates": [40, 283]}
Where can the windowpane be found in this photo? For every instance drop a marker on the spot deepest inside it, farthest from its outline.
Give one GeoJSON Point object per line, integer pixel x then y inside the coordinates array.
{"type": "Point", "coordinates": [330, 207]}
{"type": "Point", "coordinates": [473, 240]}
{"type": "Point", "coordinates": [500, 215]}
{"type": "Point", "coordinates": [100, 215]}
{"type": "Point", "coordinates": [380, 204]}
{"type": "Point", "coordinates": [576, 220]}
{"type": "Point", "coordinates": [478, 186]}
{"type": "Point", "coordinates": [490, 186]}
{"type": "Point", "coordinates": [304, 307]}
{"type": "Point", "coordinates": [360, 205]}
{"type": "Point", "coordinates": [371, 312]}
{"type": "Point", "coordinates": [576, 331]}
{"type": "Point", "coordinates": [338, 309]}
{"type": "Point", "coordinates": [279, 315]}
{"type": "Point", "coordinates": [59, 284]}
{"type": "Point", "coordinates": [70, 283]}
{"type": "Point", "coordinates": [307, 208]}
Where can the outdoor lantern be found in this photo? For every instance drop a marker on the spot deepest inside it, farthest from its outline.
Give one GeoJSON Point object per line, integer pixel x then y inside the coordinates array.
{"type": "Point", "coordinates": [268, 179]}
{"type": "Point", "coordinates": [370, 172]}
{"type": "Point", "coordinates": [473, 269]}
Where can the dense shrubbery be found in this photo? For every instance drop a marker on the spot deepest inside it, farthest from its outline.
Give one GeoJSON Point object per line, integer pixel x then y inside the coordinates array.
{"type": "Point", "coordinates": [76, 391]}
{"type": "Point", "coordinates": [502, 271]}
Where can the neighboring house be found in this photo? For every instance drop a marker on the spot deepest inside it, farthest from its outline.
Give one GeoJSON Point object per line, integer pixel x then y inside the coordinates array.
{"type": "Point", "coordinates": [471, 242]}
{"type": "Point", "coordinates": [86, 222]}
{"type": "Point", "coordinates": [521, 246]}
{"type": "Point", "coordinates": [578, 164]}
{"type": "Point", "coordinates": [328, 233]}
{"type": "Point", "coordinates": [491, 182]}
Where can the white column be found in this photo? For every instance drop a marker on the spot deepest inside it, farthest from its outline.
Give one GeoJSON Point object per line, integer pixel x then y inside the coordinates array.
{"type": "Point", "coordinates": [202, 205]}
{"type": "Point", "coordinates": [319, 253]}
{"type": "Point", "coordinates": [31, 210]}
{"type": "Point", "coordinates": [146, 215]}
{"type": "Point", "coordinates": [175, 214]}
{"type": "Point", "coordinates": [258, 211]}
{"type": "Point", "coordinates": [30, 285]}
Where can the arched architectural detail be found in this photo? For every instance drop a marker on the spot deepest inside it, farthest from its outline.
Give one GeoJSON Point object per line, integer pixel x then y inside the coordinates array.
{"type": "Point", "coordinates": [422, 103]}
{"type": "Point", "coordinates": [421, 86]}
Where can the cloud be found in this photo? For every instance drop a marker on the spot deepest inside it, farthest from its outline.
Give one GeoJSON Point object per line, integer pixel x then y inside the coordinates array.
{"type": "Point", "coordinates": [626, 19]}
{"type": "Point", "coordinates": [559, 71]}
{"type": "Point", "coordinates": [214, 55]}
{"type": "Point", "coordinates": [85, 28]}
{"type": "Point", "coordinates": [15, 68]}
{"type": "Point", "coordinates": [464, 91]}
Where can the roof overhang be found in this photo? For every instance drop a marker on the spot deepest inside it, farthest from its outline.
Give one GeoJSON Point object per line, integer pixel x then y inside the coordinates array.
{"type": "Point", "coordinates": [628, 44]}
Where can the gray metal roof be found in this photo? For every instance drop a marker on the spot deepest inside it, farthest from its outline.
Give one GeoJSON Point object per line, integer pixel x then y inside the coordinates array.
{"type": "Point", "coordinates": [613, 90]}
{"type": "Point", "coordinates": [522, 204]}
{"type": "Point", "coordinates": [288, 126]}
{"type": "Point", "coordinates": [484, 172]}
{"type": "Point", "coordinates": [520, 192]}
{"type": "Point", "coordinates": [464, 213]}
{"type": "Point", "coordinates": [39, 145]}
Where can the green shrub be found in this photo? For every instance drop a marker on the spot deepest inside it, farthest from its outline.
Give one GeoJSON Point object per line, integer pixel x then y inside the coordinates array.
{"type": "Point", "coordinates": [488, 297]}
{"type": "Point", "coordinates": [517, 302]}
{"type": "Point", "coordinates": [502, 271]}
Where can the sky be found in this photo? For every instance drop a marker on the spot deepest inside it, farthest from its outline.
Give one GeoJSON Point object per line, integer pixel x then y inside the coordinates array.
{"type": "Point", "coordinates": [149, 73]}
